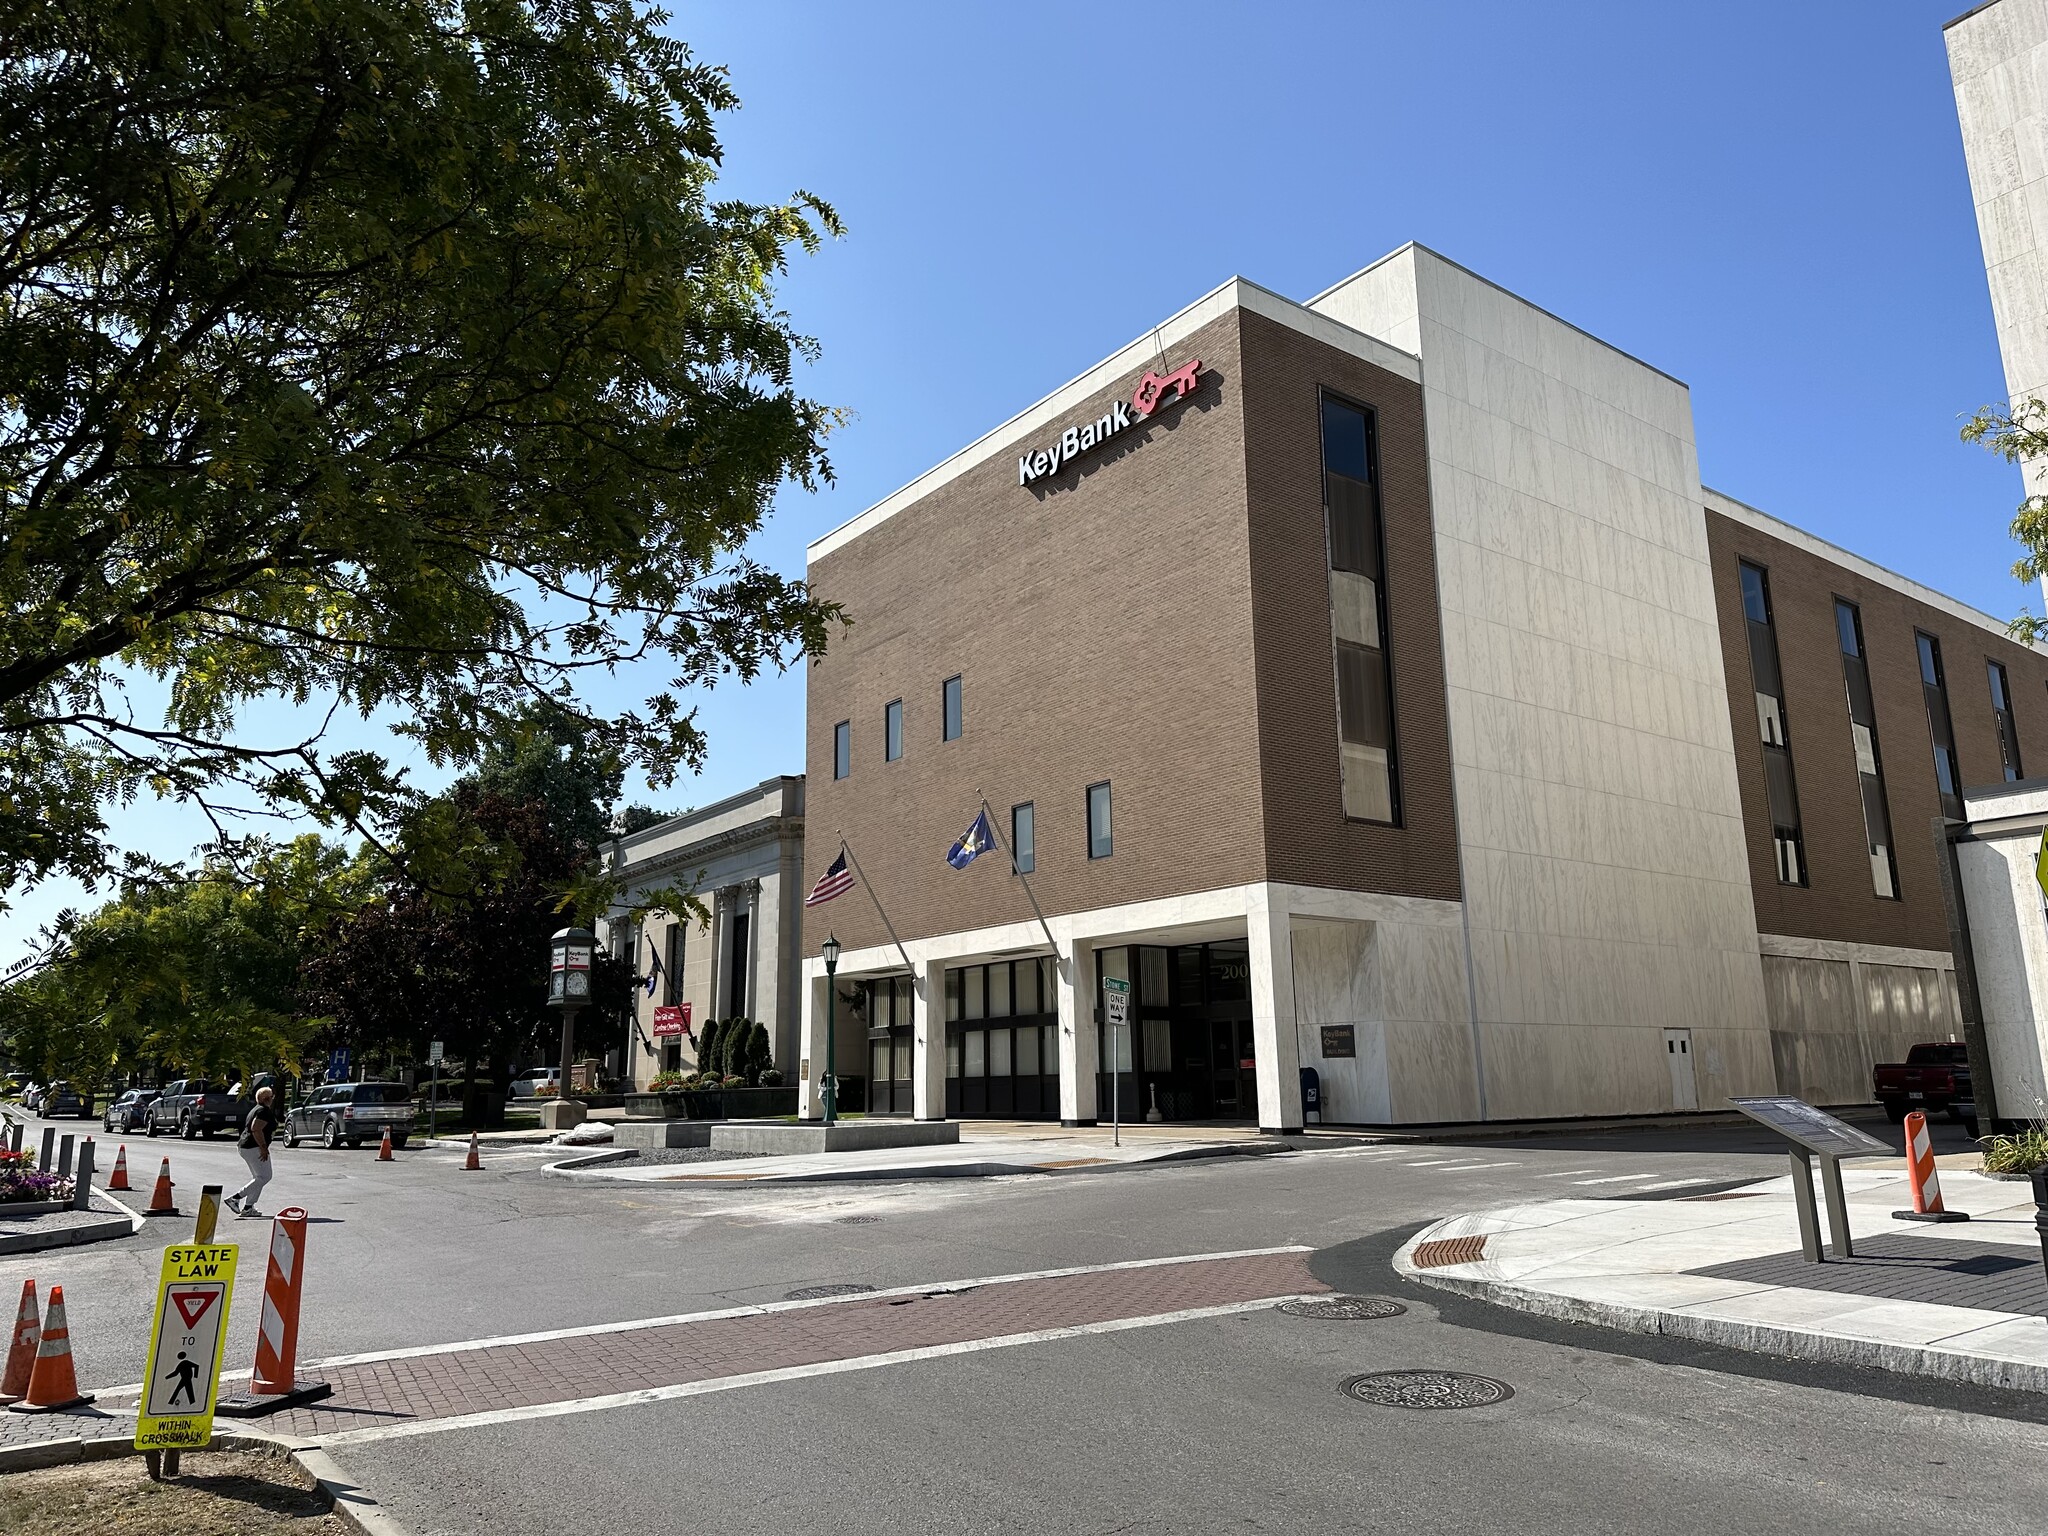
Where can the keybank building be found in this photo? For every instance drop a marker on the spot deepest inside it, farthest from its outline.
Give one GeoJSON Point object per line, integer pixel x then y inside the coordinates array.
{"type": "Point", "coordinates": [1370, 685]}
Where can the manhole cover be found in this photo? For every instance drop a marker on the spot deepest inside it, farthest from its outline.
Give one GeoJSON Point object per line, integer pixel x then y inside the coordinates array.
{"type": "Point", "coordinates": [856, 1221]}
{"type": "Point", "coordinates": [1427, 1389]}
{"type": "Point", "coordinates": [1343, 1308]}
{"type": "Point", "coordinates": [819, 1292]}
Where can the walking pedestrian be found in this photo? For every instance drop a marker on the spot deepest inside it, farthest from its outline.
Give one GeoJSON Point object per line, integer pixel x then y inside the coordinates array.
{"type": "Point", "coordinates": [254, 1146]}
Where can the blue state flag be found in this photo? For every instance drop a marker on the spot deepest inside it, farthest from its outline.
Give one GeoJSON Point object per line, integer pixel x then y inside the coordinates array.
{"type": "Point", "coordinates": [974, 842]}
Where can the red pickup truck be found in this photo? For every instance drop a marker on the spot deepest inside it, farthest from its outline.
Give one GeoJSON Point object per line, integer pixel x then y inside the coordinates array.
{"type": "Point", "coordinates": [1932, 1077]}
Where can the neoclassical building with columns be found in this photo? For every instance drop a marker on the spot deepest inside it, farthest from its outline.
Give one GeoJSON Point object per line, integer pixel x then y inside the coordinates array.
{"type": "Point", "coordinates": [743, 858]}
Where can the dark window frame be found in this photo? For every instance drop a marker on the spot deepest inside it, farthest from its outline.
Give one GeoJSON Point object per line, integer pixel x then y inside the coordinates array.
{"type": "Point", "coordinates": [1871, 786]}
{"type": "Point", "coordinates": [1390, 692]}
{"type": "Point", "coordinates": [2004, 722]}
{"type": "Point", "coordinates": [1024, 850]}
{"type": "Point", "coordinates": [952, 708]}
{"type": "Point", "coordinates": [1109, 807]}
{"type": "Point", "coordinates": [842, 750]}
{"type": "Point", "coordinates": [1766, 680]}
{"type": "Point", "coordinates": [1940, 721]}
{"type": "Point", "coordinates": [892, 731]}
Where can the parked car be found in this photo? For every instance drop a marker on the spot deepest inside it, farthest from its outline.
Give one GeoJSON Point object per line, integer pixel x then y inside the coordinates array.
{"type": "Point", "coordinates": [529, 1084]}
{"type": "Point", "coordinates": [1933, 1077]}
{"type": "Point", "coordinates": [128, 1111]}
{"type": "Point", "coordinates": [192, 1106]}
{"type": "Point", "coordinates": [60, 1098]}
{"type": "Point", "coordinates": [352, 1113]}
{"type": "Point", "coordinates": [32, 1098]}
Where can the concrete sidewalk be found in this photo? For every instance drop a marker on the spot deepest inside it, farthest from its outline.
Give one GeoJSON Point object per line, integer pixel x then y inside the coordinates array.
{"type": "Point", "coordinates": [992, 1149]}
{"type": "Point", "coordinates": [1963, 1302]}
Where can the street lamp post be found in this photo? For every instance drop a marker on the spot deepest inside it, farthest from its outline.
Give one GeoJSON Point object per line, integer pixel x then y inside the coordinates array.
{"type": "Point", "coordinates": [830, 949]}
{"type": "Point", "coordinates": [569, 957]}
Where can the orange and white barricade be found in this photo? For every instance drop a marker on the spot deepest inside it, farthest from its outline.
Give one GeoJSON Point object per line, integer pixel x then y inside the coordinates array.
{"type": "Point", "coordinates": [1926, 1178]}
{"type": "Point", "coordinates": [274, 1384]}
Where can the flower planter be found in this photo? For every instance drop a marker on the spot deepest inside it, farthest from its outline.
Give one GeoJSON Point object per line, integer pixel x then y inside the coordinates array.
{"type": "Point", "coordinates": [759, 1103]}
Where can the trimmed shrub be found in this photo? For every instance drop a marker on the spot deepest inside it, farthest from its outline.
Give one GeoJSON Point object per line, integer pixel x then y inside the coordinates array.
{"type": "Point", "coordinates": [707, 1046]}
{"type": "Point", "coordinates": [760, 1054]}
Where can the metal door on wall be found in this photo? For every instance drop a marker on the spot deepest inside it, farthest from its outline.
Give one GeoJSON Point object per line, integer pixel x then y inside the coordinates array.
{"type": "Point", "coordinates": [1685, 1093]}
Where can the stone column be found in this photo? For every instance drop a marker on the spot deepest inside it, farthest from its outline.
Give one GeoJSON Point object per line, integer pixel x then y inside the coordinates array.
{"type": "Point", "coordinates": [1074, 981]}
{"type": "Point", "coordinates": [928, 1010]}
{"type": "Point", "coordinates": [752, 891]}
{"type": "Point", "coordinates": [721, 916]}
{"type": "Point", "coordinates": [1275, 1038]}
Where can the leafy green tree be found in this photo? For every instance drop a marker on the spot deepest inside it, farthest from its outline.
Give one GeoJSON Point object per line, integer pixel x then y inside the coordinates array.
{"type": "Point", "coordinates": [382, 356]}
{"type": "Point", "coordinates": [2019, 435]}
{"type": "Point", "coordinates": [200, 976]}
{"type": "Point", "coordinates": [638, 818]}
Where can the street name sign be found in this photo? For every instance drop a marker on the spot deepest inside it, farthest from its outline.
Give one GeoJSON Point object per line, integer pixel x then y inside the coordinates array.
{"type": "Point", "coordinates": [1116, 1002]}
{"type": "Point", "coordinates": [434, 1056]}
{"type": "Point", "coordinates": [182, 1375]}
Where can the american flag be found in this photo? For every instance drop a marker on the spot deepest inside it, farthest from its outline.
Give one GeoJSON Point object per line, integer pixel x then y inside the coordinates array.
{"type": "Point", "coordinates": [836, 881]}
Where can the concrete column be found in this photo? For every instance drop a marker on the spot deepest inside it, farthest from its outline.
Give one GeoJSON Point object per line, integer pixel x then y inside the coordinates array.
{"type": "Point", "coordinates": [929, 1036]}
{"type": "Point", "coordinates": [753, 961]}
{"type": "Point", "coordinates": [1275, 1038]}
{"type": "Point", "coordinates": [1074, 981]}
{"type": "Point", "coordinates": [714, 1000]}
{"type": "Point", "coordinates": [809, 1067]}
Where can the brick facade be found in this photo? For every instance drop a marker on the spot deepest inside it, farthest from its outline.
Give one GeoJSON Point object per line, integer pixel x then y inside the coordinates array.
{"type": "Point", "coordinates": [1839, 903]}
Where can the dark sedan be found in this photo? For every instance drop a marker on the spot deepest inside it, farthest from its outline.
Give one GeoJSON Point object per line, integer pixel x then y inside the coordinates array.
{"type": "Point", "coordinates": [63, 1099]}
{"type": "Point", "coordinates": [129, 1111]}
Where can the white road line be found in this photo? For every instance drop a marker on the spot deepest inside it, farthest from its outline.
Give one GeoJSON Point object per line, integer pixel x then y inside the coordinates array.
{"type": "Point", "coordinates": [1566, 1173]}
{"type": "Point", "coordinates": [1475, 1167]}
{"type": "Point", "coordinates": [1677, 1184]}
{"type": "Point", "coordinates": [1619, 1178]}
{"type": "Point", "coordinates": [928, 1288]}
{"type": "Point", "coordinates": [1437, 1162]}
{"type": "Point", "coordinates": [788, 1373]}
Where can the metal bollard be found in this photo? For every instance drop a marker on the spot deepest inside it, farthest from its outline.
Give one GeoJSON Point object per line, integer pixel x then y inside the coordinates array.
{"type": "Point", "coordinates": [81, 1194]}
{"type": "Point", "coordinates": [49, 1148]}
{"type": "Point", "coordinates": [64, 1157]}
{"type": "Point", "coordinates": [2039, 1177]}
{"type": "Point", "coordinates": [14, 1136]}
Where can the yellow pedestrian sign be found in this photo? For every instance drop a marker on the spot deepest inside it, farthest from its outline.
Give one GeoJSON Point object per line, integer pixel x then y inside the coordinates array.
{"type": "Point", "coordinates": [183, 1373]}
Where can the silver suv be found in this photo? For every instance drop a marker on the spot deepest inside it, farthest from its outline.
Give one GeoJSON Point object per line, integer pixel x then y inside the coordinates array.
{"type": "Point", "coordinates": [352, 1113]}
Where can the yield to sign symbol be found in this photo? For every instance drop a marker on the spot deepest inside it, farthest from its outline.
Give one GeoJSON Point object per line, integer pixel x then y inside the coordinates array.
{"type": "Point", "coordinates": [192, 1305]}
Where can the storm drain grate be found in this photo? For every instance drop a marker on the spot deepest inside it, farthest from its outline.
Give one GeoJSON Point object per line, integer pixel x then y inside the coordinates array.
{"type": "Point", "coordinates": [1427, 1389]}
{"type": "Point", "coordinates": [1449, 1250]}
{"type": "Point", "coordinates": [1343, 1308]}
{"type": "Point", "coordinates": [856, 1221]}
{"type": "Point", "coordinates": [820, 1292]}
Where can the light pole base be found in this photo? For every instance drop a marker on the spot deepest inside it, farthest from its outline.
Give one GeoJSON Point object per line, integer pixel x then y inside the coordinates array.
{"type": "Point", "coordinates": [563, 1115]}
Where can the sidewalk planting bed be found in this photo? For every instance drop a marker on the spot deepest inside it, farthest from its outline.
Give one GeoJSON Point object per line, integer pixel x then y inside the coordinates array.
{"type": "Point", "coordinates": [227, 1493]}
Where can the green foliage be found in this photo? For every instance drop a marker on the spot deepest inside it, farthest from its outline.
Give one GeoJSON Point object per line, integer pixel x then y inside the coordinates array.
{"type": "Point", "coordinates": [707, 1046]}
{"type": "Point", "coordinates": [2020, 1152]}
{"type": "Point", "coordinates": [380, 356]}
{"type": "Point", "coordinates": [638, 818]}
{"type": "Point", "coordinates": [2020, 433]}
{"type": "Point", "coordinates": [760, 1055]}
{"type": "Point", "coordinates": [200, 975]}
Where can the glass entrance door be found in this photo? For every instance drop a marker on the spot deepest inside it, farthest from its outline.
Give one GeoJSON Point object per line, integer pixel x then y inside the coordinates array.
{"type": "Point", "coordinates": [1233, 1070]}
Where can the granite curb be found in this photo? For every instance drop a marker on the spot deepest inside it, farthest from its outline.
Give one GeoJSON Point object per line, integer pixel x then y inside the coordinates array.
{"type": "Point", "coordinates": [72, 1234]}
{"type": "Point", "coordinates": [349, 1499]}
{"type": "Point", "coordinates": [585, 1168]}
{"type": "Point", "coordinates": [1756, 1338]}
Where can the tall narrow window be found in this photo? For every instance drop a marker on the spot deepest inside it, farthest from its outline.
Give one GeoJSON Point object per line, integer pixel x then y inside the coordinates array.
{"type": "Point", "coordinates": [1948, 774]}
{"type": "Point", "coordinates": [1877, 821]}
{"type": "Point", "coordinates": [1024, 836]}
{"type": "Point", "coordinates": [672, 966]}
{"type": "Point", "coordinates": [1358, 621]}
{"type": "Point", "coordinates": [1100, 845]}
{"type": "Point", "coordinates": [1788, 845]}
{"type": "Point", "coordinates": [2001, 714]}
{"type": "Point", "coordinates": [842, 749]}
{"type": "Point", "coordinates": [950, 708]}
{"type": "Point", "coordinates": [892, 730]}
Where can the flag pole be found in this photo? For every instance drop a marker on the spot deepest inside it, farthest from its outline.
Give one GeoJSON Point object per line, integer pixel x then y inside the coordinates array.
{"type": "Point", "coordinates": [1028, 892]}
{"type": "Point", "coordinates": [847, 848]}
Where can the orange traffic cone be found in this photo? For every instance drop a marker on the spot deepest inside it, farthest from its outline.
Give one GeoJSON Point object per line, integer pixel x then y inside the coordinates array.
{"type": "Point", "coordinates": [384, 1152]}
{"type": "Point", "coordinates": [160, 1197]}
{"type": "Point", "coordinates": [118, 1179]}
{"type": "Point", "coordinates": [475, 1163]}
{"type": "Point", "coordinates": [52, 1385]}
{"type": "Point", "coordinates": [21, 1354]}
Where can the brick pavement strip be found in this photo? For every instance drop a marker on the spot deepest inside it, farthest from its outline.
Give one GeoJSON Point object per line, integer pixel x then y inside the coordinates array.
{"type": "Point", "coordinates": [490, 1377]}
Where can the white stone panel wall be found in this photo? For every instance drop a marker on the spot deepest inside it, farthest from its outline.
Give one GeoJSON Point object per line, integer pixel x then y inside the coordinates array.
{"type": "Point", "coordinates": [1600, 823]}
{"type": "Point", "coordinates": [2009, 941]}
{"type": "Point", "coordinates": [1998, 61]}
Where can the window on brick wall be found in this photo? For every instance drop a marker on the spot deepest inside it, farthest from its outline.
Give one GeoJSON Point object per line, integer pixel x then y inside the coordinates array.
{"type": "Point", "coordinates": [892, 730]}
{"type": "Point", "coordinates": [950, 709]}
{"type": "Point", "coordinates": [2001, 716]}
{"type": "Point", "coordinates": [1877, 822]}
{"type": "Point", "coordinates": [1781, 789]}
{"type": "Point", "coordinates": [1100, 843]}
{"type": "Point", "coordinates": [1358, 622]}
{"type": "Point", "coordinates": [842, 749]}
{"type": "Point", "coordinates": [1948, 773]}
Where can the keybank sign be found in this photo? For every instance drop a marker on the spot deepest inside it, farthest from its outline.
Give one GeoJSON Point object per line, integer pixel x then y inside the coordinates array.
{"type": "Point", "coordinates": [1145, 400]}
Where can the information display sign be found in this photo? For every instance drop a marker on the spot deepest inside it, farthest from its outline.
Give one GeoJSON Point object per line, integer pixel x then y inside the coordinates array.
{"type": "Point", "coordinates": [1814, 1129]}
{"type": "Point", "coordinates": [182, 1376]}
{"type": "Point", "coordinates": [672, 1019]}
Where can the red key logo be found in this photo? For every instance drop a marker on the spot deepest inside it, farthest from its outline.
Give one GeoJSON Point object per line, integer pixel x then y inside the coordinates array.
{"type": "Point", "coordinates": [1153, 387]}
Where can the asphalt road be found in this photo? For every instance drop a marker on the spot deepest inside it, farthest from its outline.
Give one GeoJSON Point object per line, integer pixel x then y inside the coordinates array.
{"type": "Point", "coordinates": [1219, 1424]}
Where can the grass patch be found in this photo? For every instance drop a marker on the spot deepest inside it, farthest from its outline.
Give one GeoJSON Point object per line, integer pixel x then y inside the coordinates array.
{"type": "Point", "coordinates": [217, 1493]}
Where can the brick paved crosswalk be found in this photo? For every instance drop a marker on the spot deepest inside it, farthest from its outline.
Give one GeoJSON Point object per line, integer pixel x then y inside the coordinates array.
{"type": "Point", "coordinates": [409, 1388]}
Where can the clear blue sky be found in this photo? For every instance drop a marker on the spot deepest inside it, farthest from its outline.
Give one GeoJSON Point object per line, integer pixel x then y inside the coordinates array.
{"type": "Point", "coordinates": [1767, 201]}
